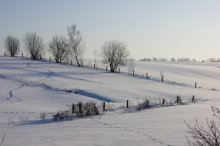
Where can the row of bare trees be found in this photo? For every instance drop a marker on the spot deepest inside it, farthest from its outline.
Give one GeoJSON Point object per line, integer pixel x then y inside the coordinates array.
{"type": "Point", "coordinates": [114, 53]}
{"type": "Point", "coordinates": [59, 46]}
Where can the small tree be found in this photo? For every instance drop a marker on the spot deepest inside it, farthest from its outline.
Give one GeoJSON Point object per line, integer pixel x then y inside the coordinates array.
{"type": "Point", "coordinates": [131, 65]}
{"type": "Point", "coordinates": [34, 45]}
{"type": "Point", "coordinates": [114, 53]}
{"type": "Point", "coordinates": [172, 59]}
{"type": "Point", "coordinates": [12, 45]}
{"type": "Point", "coordinates": [75, 44]}
{"type": "Point", "coordinates": [58, 47]}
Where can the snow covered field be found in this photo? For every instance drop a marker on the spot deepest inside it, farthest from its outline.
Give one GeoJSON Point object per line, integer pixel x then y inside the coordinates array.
{"type": "Point", "coordinates": [29, 88]}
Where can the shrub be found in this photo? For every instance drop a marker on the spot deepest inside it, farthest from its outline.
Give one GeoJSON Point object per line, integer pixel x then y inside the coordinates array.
{"type": "Point", "coordinates": [143, 105]}
{"type": "Point", "coordinates": [87, 109]}
{"type": "Point", "coordinates": [80, 109]}
{"type": "Point", "coordinates": [61, 115]}
{"type": "Point", "coordinates": [109, 107]}
{"type": "Point", "coordinates": [67, 90]}
{"type": "Point", "coordinates": [201, 136]}
{"type": "Point", "coordinates": [91, 109]}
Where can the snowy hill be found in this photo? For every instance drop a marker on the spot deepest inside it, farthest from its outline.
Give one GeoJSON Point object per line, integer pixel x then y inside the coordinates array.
{"type": "Point", "coordinates": [29, 88]}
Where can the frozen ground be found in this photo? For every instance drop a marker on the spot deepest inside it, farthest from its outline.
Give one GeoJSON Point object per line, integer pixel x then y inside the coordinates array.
{"type": "Point", "coordinates": [29, 88]}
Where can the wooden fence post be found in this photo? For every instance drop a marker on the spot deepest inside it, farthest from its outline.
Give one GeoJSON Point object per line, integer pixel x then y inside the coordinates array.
{"type": "Point", "coordinates": [162, 77]}
{"type": "Point", "coordinates": [195, 84]}
{"type": "Point", "coordinates": [66, 114]}
{"type": "Point", "coordinates": [80, 107]}
{"type": "Point", "coordinates": [103, 106]}
{"type": "Point", "coordinates": [177, 99]}
{"type": "Point", "coordinates": [148, 103]}
{"type": "Point", "coordinates": [146, 75]}
{"type": "Point", "coordinates": [71, 62]}
{"type": "Point", "coordinates": [73, 108]}
{"type": "Point", "coordinates": [127, 104]}
{"type": "Point", "coordinates": [163, 101]}
{"type": "Point", "coordinates": [193, 98]}
{"type": "Point", "coordinates": [133, 72]}
{"type": "Point", "coordinates": [40, 57]}
{"type": "Point", "coordinates": [22, 55]}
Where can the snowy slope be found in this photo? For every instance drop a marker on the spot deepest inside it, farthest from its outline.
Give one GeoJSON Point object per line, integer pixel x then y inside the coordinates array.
{"type": "Point", "coordinates": [31, 87]}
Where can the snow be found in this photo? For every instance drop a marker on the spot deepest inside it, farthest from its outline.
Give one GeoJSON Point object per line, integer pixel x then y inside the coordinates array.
{"type": "Point", "coordinates": [29, 88]}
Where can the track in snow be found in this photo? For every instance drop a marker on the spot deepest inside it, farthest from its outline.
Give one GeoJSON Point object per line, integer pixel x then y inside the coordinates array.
{"type": "Point", "coordinates": [134, 131]}
{"type": "Point", "coordinates": [11, 95]}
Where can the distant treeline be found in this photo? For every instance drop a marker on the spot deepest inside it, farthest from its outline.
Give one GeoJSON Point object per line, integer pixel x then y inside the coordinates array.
{"type": "Point", "coordinates": [178, 59]}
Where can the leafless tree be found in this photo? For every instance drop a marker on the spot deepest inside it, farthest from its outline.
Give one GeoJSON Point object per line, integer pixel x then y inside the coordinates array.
{"type": "Point", "coordinates": [131, 65]}
{"type": "Point", "coordinates": [114, 53]}
{"type": "Point", "coordinates": [172, 59]}
{"type": "Point", "coordinates": [58, 47]}
{"type": "Point", "coordinates": [75, 44]}
{"type": "Point", "coordinates": [34, 45]}
{"type": "Point", "coordinates": [200, 136]}
{"type": "Point", "coordinates": [12, 45]}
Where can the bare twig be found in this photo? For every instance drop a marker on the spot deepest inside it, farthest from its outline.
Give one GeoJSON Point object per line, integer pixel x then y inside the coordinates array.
{"type": "Point", "coordinates": [3, 138]}
{"type": "Point", "coordinates": [201, 136]}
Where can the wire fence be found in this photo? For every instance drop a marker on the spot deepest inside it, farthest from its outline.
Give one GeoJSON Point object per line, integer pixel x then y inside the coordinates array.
{"type": "Point", "coordinates": [123, 71]}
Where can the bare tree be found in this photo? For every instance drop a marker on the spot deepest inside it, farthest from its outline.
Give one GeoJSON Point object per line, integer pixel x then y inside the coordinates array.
{"type": "Point", "coordinates": [12, 45]}
{"type": "Point", "coordinates": [172, 59]}
{"type": "Point", "coordinates": [200, 136]}
{"type": "Point", "coordinates": [34, 45]}
{"type": "Point", "coordinates": [58, 47]}
{"type": "Point", "coordinates": [114, 53]}
{"type": "Point", "coordinates": [131, 65]}
{"type": "Point", "coordinates": [75, 44]}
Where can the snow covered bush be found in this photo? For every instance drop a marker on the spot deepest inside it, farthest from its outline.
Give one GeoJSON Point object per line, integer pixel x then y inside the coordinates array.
{"type": "Point", "coordinates": [67, 90]}
{"type": "Point", "coordinates": [86, 109]}
{"type": "Point", "coordinates": [79, 110]}
{"type": "Point", "coordinates": [209, 136]}
{"type": "Point", "coordinates": [143, 105]}
{"type": "Point", "coordinates": [61, 115]}
{"type": "Point", "coordinates": [91, 109]}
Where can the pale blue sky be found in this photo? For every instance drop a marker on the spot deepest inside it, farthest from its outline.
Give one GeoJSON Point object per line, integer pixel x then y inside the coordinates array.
{"type": "Point", "coordinates": [160, 28]}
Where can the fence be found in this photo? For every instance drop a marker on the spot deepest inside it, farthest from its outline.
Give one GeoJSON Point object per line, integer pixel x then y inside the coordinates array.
{"type": "Point", "coordinates": [94, 66]}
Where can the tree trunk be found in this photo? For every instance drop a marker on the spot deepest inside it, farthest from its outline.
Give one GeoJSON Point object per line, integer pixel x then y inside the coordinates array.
{"type": "Point", "coordinates": [77, 61]}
